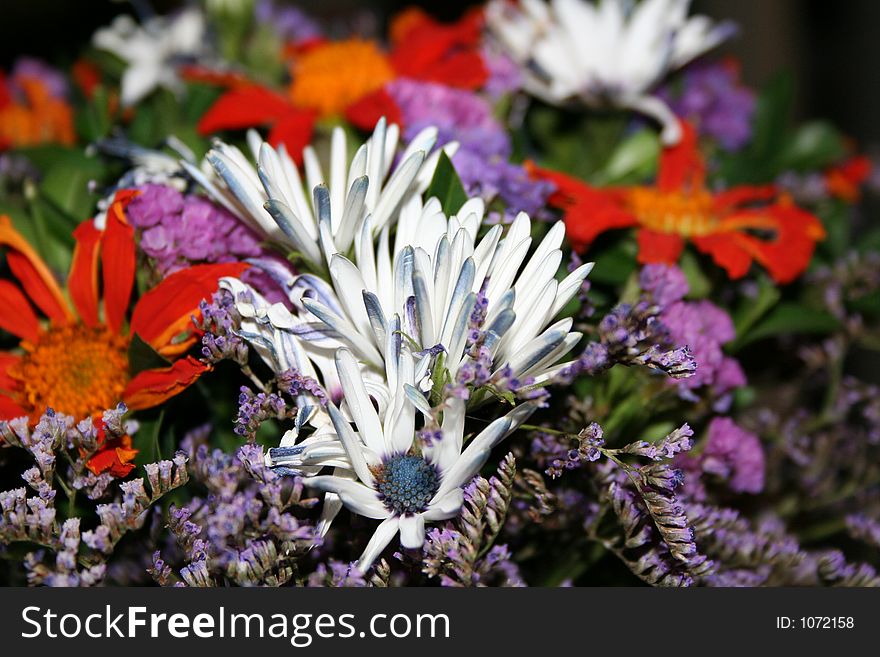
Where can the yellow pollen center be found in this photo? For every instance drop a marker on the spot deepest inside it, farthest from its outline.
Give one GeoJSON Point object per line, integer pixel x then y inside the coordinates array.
{"type": "Point", "coordinates": [683, 213]}
{"type": "Point", "coordinates": [331, 77]}
{"type": "Point", "coordinates": [73, 369]}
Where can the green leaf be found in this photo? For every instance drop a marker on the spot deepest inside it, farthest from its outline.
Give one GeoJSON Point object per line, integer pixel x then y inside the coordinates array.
{"type": "Point", "coordinates": [142, 356]}
{"type": "Point", "coordinates": [699, 285]}
{"type": "Point", "coordinates": [815, 145]}
{"type": "Point", "coordinates": [792, 318]}
{"type": "Point", "coordinates": [752, 310]}
{"type": "Point", "coordinates": [614, 264]}
{"type": "Point", "coordinates": [446, 186]}
{"type": "Point", "coordinates": [771, 116]}
{"type": "Point", "coordinates": [633, 160]}
{"type": "Point", "coordinates": [66, 184]}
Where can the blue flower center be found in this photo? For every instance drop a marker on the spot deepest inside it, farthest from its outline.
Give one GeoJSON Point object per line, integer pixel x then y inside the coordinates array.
{"type": "Point", "coordinates": [406, 483]}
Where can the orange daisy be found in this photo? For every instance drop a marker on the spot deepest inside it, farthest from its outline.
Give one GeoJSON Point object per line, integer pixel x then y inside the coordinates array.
{"type": "Point", "coordinates": [736, 227]}
{"type": "Point", "coordinates": [77, 363]}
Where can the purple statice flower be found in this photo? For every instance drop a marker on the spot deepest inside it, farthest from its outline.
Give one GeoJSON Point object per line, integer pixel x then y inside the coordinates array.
{"type": "Point", "coordinates": [705, 327]}
{"type": "Point", "coordinates": [254, 409]}
{"type": "Point", "coordinates": [559, 454]}
{"type": "Point", "coordinates": [337, 574]}
{"type": "Point", "coordinates": [710, 95]}
{"type": "Point", "coordinates": [735, 455]}
{"type": "Point", "coordinates": [504, 74]}
{"type": "Point", "coordinates": [178, 230]}
{"type": "Point", "coordinates": [294, 383]}
{"type": "Point", "coordinates": [457, 114]}
{"type": "Point", "coordinates": [496, 177]}
{"type": "Point", "coordinates": [664, 284]}
{"type": "Point", "coordinates": [864, 528]}
{"type": "Point", "coordinates": [291, 24]}
{"type": "Point", "coordinates": [220, 321]}
{"type": "Point", "coordinates": [632, 334]}
{"type": "Point", "coordinates": [701, 325]}
{"type": "Point", "coordinates": [35, 69]}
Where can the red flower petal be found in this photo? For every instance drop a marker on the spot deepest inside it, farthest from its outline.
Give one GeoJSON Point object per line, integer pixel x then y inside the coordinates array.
{"type": "Point", "coordinates": [448, 53]}
{"type": "Point", "coordinates": [682, 165]}
{"type": "Point", "coordinates": [588, 211]}
{"type": "Point", "coordinates": [9, 410]}
{"type": "Point", "coordinates": [294, 130]}
{"type": "Point", "coordinates": [244, 107]}
{"type": "Point", "coordinates": [32, 272]}
{"type": "Point", "coordinates": [729, 251]}
{"type": "Point", "coordinates": [167, 310]}
{"type": "Point", "coordinates": [7, 383]}
{"type": "Point", "coordinates": [117, 261]}
{"type": "Point", "coordinates": [82, 281]}
{"type": "Point", "coordinates": [365, 112]}
{"type": "Point", "coordinates": [659, 248]}
{"type": "Point", "coordinates": [114, 457]}
{"type": "Point", "coordinates": [16, 314]}
{"type": "Point", "coordinates": [152, 387]}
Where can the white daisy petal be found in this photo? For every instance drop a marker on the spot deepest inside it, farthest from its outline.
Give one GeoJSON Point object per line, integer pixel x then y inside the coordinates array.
{"type": "Point", "coordinates": [412, 531]}
{"type": "Point", "coordinates": [380, 540]}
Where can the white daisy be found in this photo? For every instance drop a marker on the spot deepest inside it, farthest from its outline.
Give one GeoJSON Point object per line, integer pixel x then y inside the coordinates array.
{"type": "Point", "coordinates": [396, 480]}
{"type": "Point", "coordinates": [151, 50]}
{"type": "Point", "coordinates": [433, 278]}
{"type": "Point", "coordinates": [274, 199]}
{"type": "Point", "coordinates": [606, 54]}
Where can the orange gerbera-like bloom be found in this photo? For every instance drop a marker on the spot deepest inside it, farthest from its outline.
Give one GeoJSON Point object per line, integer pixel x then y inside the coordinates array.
{"type": "Point", "coordinates": [331, 76]}
{"type": "Point", "coordinates": [735, 227]}
{"type": "Point", "coordinates": [36, 118]}
{"type": "Point", "coordinates": [78, 363]}
{"type": "Point", "coordinates": [348, 78]}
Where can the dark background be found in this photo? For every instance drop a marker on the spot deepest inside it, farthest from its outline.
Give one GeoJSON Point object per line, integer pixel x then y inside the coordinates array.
{"type": "Point", "coordinates": [831, 47]}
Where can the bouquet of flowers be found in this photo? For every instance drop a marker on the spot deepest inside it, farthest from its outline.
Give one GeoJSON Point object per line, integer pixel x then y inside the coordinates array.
{"type": "Point", "coordinates": [543, 296]}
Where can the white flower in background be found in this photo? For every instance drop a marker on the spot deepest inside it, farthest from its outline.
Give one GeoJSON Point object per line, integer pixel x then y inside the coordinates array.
{"type": "Point", "coordinates": [609, 54]}
{"type": "Point", "coordinates": [152, 50]}
{"type": "Point", "coordinates": [320, 215]}
{"type": "Point", "coordinates": [434, 277]}
{"type": "Point", "coordinates": [379, 474]}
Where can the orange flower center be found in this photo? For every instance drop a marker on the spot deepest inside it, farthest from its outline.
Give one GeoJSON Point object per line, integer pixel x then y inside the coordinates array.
{"type": "Point", "coordinates": [683, 213]}
{"type": "Point", "coordinates": [73, 369]}
{"type": "Point", "coordinates": [332, 76]}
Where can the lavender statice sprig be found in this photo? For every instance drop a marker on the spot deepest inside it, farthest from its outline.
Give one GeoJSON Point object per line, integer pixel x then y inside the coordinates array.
{"type": "Point", "coordinates": [462, 553]}
{"type": "Point", "coordinates": [631, 334]}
